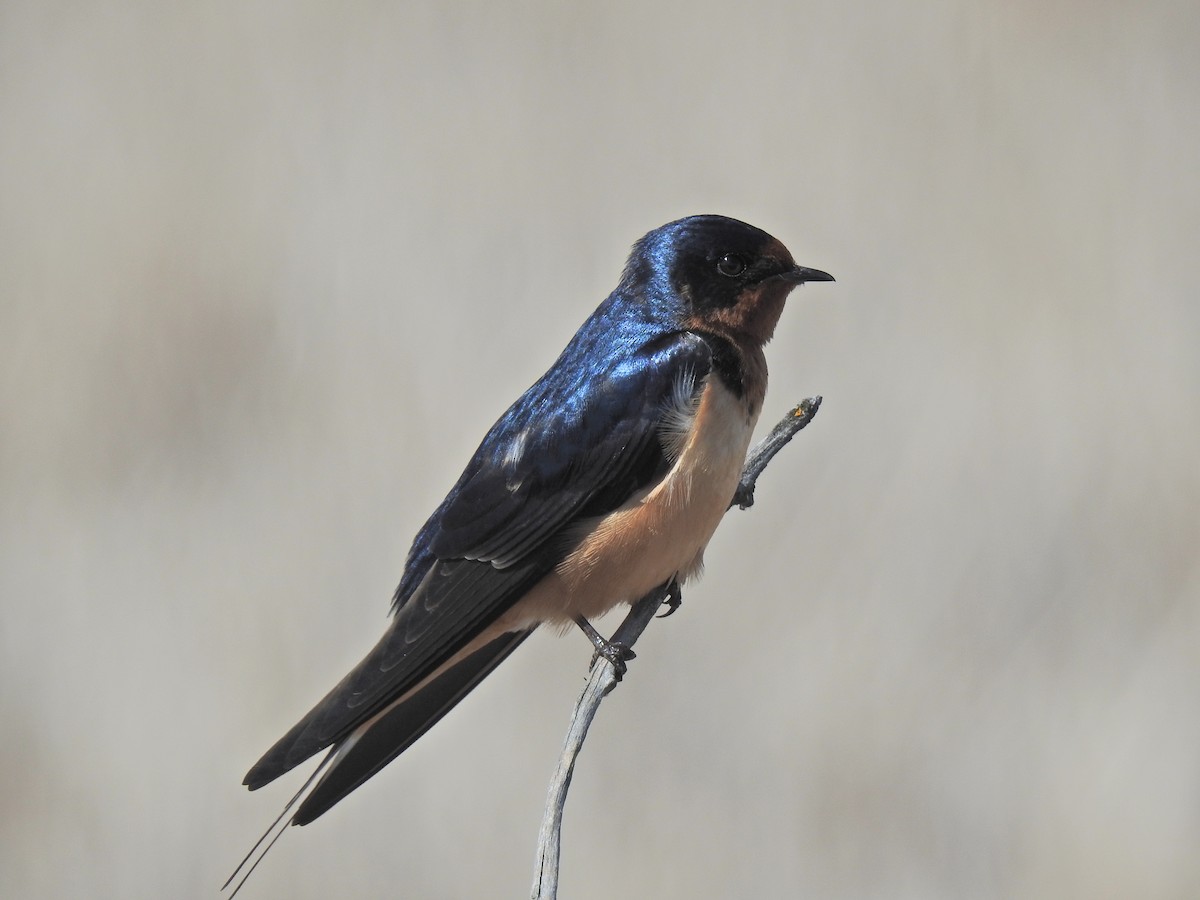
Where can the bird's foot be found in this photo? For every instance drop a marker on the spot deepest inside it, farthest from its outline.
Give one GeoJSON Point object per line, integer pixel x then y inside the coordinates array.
{"type": "Point", "coordinates": [615, 652]}
{"type": "Point", "coordinates": [672, 601]}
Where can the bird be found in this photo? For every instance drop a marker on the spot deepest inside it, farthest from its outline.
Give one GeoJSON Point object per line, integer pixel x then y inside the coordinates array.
{"type": "Point", "coordinates": [603, 481]}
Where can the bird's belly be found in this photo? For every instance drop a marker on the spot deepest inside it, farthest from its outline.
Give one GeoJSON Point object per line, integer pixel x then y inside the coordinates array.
{"type": "Point", "coordinates": [657, 534]}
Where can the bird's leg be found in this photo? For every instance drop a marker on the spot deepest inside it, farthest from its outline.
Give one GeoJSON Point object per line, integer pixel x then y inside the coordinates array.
{"type": "Point", "coordinates": [615, 652]}
{"type": "Point", "coordinates": [673, 600]}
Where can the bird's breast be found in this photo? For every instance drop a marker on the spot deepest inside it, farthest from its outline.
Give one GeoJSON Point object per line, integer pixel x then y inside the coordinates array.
{"type": "Point", "coordinates": [661, 531]}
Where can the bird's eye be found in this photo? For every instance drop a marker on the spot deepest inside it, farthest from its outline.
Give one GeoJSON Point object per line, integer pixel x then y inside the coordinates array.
{"type": "Point", "coordinates": [731, 265]}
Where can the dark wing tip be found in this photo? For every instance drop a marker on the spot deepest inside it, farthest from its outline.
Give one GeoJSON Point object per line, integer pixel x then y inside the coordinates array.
{"type": "Point", "coordinates": [396, 729]}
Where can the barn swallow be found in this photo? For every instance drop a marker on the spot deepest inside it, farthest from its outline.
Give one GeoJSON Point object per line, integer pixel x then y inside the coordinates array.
{"type": "Point", "coordinates": [606, 479]}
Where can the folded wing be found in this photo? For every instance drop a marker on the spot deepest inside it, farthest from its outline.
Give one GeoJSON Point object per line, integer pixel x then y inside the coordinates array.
{"type": "Point", "coordinates": [571, 447]}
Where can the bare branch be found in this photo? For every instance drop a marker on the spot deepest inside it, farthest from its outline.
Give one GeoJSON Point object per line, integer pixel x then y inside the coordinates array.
{"type": "Point", "coordinates": [603, 677]}
{"type": "Point", "coordinates": [764, 451]}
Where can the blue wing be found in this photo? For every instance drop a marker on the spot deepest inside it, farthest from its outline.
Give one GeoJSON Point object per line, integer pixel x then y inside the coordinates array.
{"type": "Point", "coordinates": [578, 443]}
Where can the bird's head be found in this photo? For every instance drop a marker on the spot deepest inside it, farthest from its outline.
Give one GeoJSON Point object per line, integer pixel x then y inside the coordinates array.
{"type": "Point", "coordinates": [729, 276]}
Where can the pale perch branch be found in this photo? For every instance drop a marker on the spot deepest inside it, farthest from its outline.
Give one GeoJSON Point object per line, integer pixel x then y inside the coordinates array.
{"type": "Point", "coordinates": [603, 677]}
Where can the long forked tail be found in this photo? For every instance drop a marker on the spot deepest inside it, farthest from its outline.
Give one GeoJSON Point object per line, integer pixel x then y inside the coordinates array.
{"type": "Point", "coordinates": [376, 743]}
{"type": "Point", "coordinates": [254, 857]}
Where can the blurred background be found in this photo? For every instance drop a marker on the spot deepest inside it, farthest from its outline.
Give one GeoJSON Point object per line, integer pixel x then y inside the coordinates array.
{"type": "Point", "coordinates": [268, 271]}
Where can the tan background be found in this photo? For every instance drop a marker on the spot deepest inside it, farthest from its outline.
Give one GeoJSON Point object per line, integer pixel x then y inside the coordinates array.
{"type": "Point", "coordinates": [268, 271]}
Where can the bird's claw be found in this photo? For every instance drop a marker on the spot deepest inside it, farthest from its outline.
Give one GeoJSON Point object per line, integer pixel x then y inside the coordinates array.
{"type": "Point", "coordinates": [617, 654]}
{"type": "Point", "coordinates": [672, 601]}
{"type": "Point", "coordinates": [743, 497]}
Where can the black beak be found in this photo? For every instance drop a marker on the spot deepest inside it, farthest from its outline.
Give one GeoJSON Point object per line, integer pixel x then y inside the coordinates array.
{"type": "Point", "coordinates": [801, 274]}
